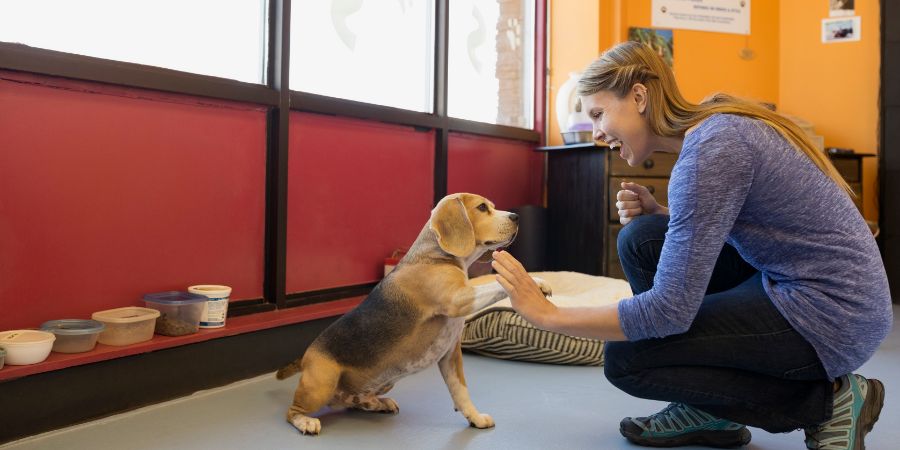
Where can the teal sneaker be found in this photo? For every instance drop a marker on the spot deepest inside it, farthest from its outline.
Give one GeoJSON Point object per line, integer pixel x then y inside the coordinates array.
{"type": "Point", "coordinates": [679, 424]}
{"type": "Point", "coordinates": [857, 405]}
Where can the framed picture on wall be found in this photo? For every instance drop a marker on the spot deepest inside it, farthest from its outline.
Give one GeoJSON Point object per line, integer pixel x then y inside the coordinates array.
{"type": "Point", "coordinates": [660, 40]}
{"type": "Point", "coordinates": [840, 8]}
{"type": "Point", "coordinates": [841, 29]}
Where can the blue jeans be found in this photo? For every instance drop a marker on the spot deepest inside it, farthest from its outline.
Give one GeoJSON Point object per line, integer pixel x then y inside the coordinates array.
{"type": "Point", "coordinates": [740, 360]}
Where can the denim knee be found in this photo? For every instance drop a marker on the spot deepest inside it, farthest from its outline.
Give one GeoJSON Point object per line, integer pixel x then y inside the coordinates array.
{"type": "Point", "coordinates": [617, 356]}
{"type": "Point", "coordinates": [640, 230]}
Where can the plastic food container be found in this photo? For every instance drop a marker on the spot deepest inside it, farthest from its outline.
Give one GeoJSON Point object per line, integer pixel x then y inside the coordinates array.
{"type": "Point", "coordinates": [74, 335]}
{"type": "Point", "coordinates": [179, 312]}
{"type": "Point", "coordinates": [216, 309]}
{"type": "Point", "coordinates": [127, 325]}
{"type": "Point", "coordinates": [26, 346]}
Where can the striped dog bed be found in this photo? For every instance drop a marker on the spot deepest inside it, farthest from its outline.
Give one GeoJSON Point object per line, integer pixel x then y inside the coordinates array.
{"type": "Point", "coordinates": [500, 332]}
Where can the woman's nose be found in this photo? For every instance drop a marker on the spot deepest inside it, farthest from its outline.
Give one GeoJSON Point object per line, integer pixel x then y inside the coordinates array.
{"type": "Point", "coordinates": [598, 134]}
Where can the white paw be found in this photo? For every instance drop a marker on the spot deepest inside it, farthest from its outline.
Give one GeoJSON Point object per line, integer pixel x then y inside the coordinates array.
{"type": "Point", "coordinates": [481, 421]}
{"type": "Point", "coordinates": [388, 405]}
{"type": "Point", "coordinates": [544, 285]}
{"type": "Point", "coordinates": [307, 425]}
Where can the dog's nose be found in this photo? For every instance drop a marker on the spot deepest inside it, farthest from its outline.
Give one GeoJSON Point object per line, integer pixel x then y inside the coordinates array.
{"type": "Point", "coordinates": [514, 217]}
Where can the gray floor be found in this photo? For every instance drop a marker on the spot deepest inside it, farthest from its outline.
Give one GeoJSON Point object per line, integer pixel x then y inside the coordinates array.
{"type": "Point", "coordinates": [535, 406]}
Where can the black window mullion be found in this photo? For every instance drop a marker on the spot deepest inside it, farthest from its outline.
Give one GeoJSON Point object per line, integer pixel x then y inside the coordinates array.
{"type": "Point", "coordinates": [441, 42]}
{"type": "Point", "coordinates": [23, 58]}
{"type": "Point", "coordinates": [278, 121]}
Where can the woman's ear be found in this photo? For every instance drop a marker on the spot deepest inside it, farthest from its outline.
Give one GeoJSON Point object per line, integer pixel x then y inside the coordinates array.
{"type": "Point", "coordinates": [639, 93]}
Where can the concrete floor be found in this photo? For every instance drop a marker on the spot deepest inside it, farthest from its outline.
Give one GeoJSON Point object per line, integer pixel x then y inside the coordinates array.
{"type": "Point", "coordinates": [535, 406]}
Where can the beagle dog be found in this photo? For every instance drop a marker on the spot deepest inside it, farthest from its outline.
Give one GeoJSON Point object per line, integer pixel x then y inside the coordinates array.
{"type": "Point", "coordinates": [412, 318]}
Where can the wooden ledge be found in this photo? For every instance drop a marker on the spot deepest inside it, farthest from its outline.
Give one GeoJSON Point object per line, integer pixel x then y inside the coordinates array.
{"type": "Point", "coordinates": [233, 326]}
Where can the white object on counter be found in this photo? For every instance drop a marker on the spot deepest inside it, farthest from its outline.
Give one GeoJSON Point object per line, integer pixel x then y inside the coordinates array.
{"type": "Point", "coordinates": [26, 346]}
{"type": "Point", "coordinates": [216, 308]}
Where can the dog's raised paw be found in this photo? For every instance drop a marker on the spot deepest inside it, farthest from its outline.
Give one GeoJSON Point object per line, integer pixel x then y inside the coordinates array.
{"type": "Point", "coordinates": [481, 421]}
{"type": "Point", "coordinates": [544, 285]}
{"type": "Point", "coordinates": [307, 425]}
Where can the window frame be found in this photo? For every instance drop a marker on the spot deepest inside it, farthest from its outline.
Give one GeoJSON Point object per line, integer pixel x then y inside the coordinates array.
{"type": "Point", "coordinates": [281, 100]}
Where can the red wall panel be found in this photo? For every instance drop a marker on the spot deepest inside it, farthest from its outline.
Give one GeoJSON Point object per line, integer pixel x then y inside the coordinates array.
{"type": "Point", "coordinates": [108, 193]}
{"type": "Point", "coordinates": [509, 173]}
{"type": "Point", "coordinates": [356, 191]}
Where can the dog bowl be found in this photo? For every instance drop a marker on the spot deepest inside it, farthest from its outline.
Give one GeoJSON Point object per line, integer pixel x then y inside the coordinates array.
{"type": "Point", "coordinates": [73, 335]}
{"type": "Point", "coordinates": [26, 346]}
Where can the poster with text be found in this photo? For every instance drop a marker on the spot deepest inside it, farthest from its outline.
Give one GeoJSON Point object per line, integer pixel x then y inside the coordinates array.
{"type": "Point", "coordinates": [722, 16]}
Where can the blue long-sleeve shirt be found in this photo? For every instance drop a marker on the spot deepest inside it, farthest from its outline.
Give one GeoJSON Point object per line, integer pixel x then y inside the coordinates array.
{"type": "Point", "coordinates": [738, 181]}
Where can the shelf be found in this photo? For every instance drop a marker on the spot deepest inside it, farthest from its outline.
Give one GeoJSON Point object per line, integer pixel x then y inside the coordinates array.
{"type": "Point", "coordinates": [586, 145]}
{"type": "Point", "coordinates": [233, 326]}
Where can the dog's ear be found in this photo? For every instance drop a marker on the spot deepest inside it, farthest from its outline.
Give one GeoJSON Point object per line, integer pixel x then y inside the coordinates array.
{"type": "Point", "coordinates": [451, 224]}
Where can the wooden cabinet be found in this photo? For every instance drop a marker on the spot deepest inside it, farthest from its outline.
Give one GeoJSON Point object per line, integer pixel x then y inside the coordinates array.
{"type": "Point", "coordinates": [582, 218]}
{"type": "Point", "coordinates": [850, 166]}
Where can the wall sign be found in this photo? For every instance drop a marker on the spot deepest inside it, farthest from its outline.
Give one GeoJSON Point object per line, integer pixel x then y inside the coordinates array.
{"type": "Point", "coordinates": [722, 16]}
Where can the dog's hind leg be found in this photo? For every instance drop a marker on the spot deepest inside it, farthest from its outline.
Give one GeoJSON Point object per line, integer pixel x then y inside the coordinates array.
{"type": "Point", "coordinates": [368, 402]}
{"type": "Point", "coordinates": [452, 371]}
{"type": "Point", "coordinates": [316, 388]}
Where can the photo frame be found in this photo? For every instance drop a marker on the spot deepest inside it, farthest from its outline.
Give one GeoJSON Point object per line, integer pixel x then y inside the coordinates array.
{"type": "Point", "coordinates": [659, 39]}
{"type": "Point", "coordinates": [840, 8]}
{"type": "Point", "coordinates": [841, 29]}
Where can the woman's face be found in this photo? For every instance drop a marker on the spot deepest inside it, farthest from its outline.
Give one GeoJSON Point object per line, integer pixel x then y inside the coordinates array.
{"type": "Point", "coordinates": [619, 123]}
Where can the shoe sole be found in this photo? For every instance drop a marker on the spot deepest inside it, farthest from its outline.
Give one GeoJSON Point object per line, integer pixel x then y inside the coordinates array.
{"type": "Point", "coordinates": [718, 439]}
{"type": "Point", "coordinates": [870, 412]}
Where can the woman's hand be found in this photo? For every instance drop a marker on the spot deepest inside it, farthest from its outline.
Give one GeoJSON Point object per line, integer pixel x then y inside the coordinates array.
{"type": "Point", "coordinates": [526, 295]}
{"type": "Point", "coordinates": [634, 200]}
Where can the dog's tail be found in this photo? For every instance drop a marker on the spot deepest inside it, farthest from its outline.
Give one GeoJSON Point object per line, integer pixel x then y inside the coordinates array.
{"type": "Point", "coordinates": [289, 369]}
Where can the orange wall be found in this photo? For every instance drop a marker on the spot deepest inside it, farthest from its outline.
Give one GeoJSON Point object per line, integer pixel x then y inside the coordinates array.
{"type": "Point", "coordinates": [834, 86]}
{"type": "Point", "coordinates": [704, 62]}
{"type": "Point", "coordinates": [573, 42]}
{"type": "Point", "coordinates": [708, 62]}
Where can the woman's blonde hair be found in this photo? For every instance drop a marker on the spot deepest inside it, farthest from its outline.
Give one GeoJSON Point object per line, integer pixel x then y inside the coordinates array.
{"type": "Point", "coordinates": [669, 114]}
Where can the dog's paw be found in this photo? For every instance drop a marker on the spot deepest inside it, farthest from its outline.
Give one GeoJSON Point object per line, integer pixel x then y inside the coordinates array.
{"type": "Point", "coordinates": [544, 285]}
{"type": "Point", "coordinates": [388, 406]}
{"type": "Point", "coordinates": [307, 425]}
{"type": "Point", "coordinates": [481, 421]}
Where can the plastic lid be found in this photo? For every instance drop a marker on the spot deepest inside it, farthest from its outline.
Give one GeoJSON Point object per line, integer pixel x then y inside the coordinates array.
{"type": "Point", "coordinates": [211, 290]}
{"type": "Point", "coordinates": [72, 327]}
{"type": "Point", "coordinates": [25, 337]}
{"type": "Point", "coordinates": [127, 314]}
{"type": "Point", "coordinates": [175, 298]}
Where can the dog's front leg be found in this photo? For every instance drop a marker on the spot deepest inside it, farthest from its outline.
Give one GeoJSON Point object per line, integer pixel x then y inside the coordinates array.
{"type": "Point", "coordinates": [474, 298]}
{"type": "Point", "coordinates": [452, 371]}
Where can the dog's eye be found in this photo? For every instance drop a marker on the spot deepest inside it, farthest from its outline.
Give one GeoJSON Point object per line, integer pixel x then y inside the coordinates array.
{"type": "Point", "coordinates": [483, 207]}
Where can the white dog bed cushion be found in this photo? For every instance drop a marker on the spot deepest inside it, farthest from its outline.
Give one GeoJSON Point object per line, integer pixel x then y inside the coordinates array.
{"type": "Point", "coordinates": [500, 332]}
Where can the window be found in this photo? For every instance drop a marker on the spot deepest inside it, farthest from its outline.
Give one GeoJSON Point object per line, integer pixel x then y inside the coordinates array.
{"type": "Point", "coordinates": [209, 37]}
{"type": "Point", "coordinates": [491, 62]}
{"type": "Point", "coordinates": [372, 51]}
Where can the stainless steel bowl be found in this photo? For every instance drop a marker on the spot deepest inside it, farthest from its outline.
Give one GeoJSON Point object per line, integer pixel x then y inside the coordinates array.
{"type": "Point", "coordinates": [577, 137]}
